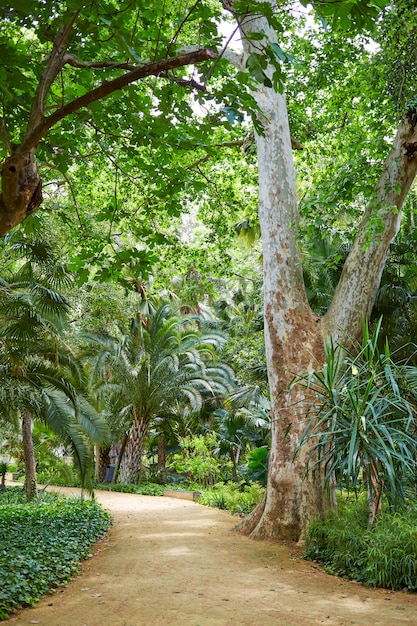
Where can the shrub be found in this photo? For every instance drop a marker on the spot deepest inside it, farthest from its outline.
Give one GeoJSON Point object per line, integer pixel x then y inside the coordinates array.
{"type": "Point", "coordinates": [381, 555]}
{"type": "Point", "coordinates": [237, 498]}
{"type": "Point", "coordinates": [146, 489]}
{"type": "Point", "coordinates": [198, 462]}
{"type": "Point", "coordinates": [42, 544]}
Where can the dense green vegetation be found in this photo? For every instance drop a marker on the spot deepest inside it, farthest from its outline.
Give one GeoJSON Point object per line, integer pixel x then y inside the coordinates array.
{"type": "Point", "coordinates": [42, 544]}
{"type": "Point", "coordinates": [131, 304]}
{"type": "Point", "coordinates": [381, 555]}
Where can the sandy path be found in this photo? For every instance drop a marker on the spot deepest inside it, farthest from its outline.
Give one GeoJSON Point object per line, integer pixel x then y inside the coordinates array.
{"type": "Point", "coordinates": [176, 563]}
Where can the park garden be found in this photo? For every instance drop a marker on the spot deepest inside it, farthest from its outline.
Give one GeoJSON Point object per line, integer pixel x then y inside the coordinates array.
{"type": "Point", "coordinates": [208, 274]}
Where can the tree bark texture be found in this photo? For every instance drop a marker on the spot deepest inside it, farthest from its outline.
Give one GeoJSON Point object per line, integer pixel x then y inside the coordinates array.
{"type": "Point", "coordinates": [132, 461]}
{"type": "Point", "coordinates": [29, 454]}
{"type": "Point", "coordinates": [357, 288]}
{"type": "Point", "coordinates": [21, 190]}
{"type": "Point", "coordinates": [103, 461]}
{"type": "Point", "coordinates": [294, 335]}
{"type": "Point", "coordinates": [162, 457]}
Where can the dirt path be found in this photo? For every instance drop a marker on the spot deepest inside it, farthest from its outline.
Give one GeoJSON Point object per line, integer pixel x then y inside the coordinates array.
{"type": "Point", "coordinates": [176, 563]}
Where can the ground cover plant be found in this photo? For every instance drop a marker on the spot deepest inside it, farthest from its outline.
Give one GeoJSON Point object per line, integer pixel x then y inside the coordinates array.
{"type": "Point", "coordinates": [381, 555]}
{"type": "Point", "coordinates": [42, 543]}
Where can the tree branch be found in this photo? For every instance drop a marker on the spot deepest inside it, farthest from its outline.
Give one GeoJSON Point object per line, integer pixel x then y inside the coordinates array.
{"type": "Point", "coordinates": [356, 291]}
{"type": "Point", "coordinates": [34, 135]}
{"type": "Point", "coordinates": [54, 66]}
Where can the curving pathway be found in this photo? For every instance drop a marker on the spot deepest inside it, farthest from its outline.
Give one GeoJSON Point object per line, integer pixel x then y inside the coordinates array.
{"type": "Point", "coordinates": [170, 562]}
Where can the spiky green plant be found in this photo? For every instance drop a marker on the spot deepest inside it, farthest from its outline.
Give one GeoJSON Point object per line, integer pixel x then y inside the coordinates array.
{"type": "Point", "coordinates": [360, 420]}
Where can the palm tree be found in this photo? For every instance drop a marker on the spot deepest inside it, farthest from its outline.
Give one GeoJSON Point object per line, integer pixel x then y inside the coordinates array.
{"type": "Point", "coordinates": [242, 424]}
{"type": "Point", "coordinates": [40, 376]}
{"type": "Point", "coordinates": [163, 364]}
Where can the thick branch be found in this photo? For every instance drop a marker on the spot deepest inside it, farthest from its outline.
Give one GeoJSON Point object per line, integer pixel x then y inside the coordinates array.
{"type": "Point", "coordinates": [105, 89]}
{"type": "Point", "coordinates": [355, 294]}
{"type": "Point", "coordinates": [54, 66]}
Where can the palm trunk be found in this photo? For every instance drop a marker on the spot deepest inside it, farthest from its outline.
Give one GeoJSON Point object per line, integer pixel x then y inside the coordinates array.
{"type": "Point", "coordinates": [375, 488]}
{"type": "Point", "coordinates": [132, 461]}
{"type": "Point", "coordinates": [29, 455]}
{"type": "Point", "coordinates": [103, 461]}
{"type": "Point", "coordinates": [120, 458]}
{"type": "Point", "coordinates": [234, 457]}
{"type": "Point", "coordinates": [161, 457]}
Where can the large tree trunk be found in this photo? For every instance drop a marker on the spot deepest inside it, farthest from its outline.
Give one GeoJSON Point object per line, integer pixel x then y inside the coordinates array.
{"type": "Point", "coordinates": [21, 190]}
{"type": "Point", "coordinates": [132, 461]}
{"type": "Point", "coordinates": [29, 454]}
{"type": "Point", "coordinates": [294, 336]}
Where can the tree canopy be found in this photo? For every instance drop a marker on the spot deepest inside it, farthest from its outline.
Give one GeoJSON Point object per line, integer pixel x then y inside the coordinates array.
{"type": "Point", "coordinates": [126, 117]}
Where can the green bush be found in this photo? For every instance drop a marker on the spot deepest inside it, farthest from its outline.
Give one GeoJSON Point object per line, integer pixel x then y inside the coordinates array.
{"type": "Point", "coordinates": [237, 498]}
{"type": "Point", "coordinates": [64, 476]}
{"type": "Point", "coordinates": [197, 460]}
{"type": "Point", "coordinates": [42, 544]}
{"type": "Point", "coordinates": [146, 489]}
{"type": "Point", "coordinates": [381, 555]}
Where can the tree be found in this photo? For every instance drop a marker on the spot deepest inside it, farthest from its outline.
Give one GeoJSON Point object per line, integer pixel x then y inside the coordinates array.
{"type": "Point", "coordinates": [239, 428]}
{"type": "Point", "coordinates": [294, 335]}
{"type": "Point", "coordinates": [40, 378]}
{"type": "Point", "coordinates": [161, 366]}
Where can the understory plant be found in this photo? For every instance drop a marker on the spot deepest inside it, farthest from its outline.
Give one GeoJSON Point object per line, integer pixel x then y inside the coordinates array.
{"type": "Point", "coordinates": [42, 543]}
{"type": "Point", "coordinates": [238, 498]}
{"type": "Point", "coordinates": [361, 422]}
{"type": "Point", "coordinates": [381, 555]}
{"type": "Point", "coordinates": [197, 461]}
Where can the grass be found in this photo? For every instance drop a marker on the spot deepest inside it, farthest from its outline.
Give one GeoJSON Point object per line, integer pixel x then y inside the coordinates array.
{"type": "Point", "coordinates": [43, 543]}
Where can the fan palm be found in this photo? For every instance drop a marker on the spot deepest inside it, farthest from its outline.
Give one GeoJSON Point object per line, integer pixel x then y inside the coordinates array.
{"type": "Point", "coordinates": [161, 365]}
{"type": "Point", "coordinates": [242, 424]}
{"type": "Point", "coordinates": [40, 377]}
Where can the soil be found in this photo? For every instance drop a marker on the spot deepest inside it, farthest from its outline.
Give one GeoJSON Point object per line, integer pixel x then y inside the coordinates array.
{"type": "Point", "coordinates": [177, 563]}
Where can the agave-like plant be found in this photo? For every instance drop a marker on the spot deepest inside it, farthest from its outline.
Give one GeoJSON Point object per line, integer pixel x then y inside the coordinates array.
{"type": "Point", "coordinates": [361, 420]}
{"type": "Point", "coordinates": [162, 365]}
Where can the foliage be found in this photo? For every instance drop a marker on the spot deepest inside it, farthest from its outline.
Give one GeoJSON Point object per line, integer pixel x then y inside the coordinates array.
{"type": "Point", "coordinates": [238, 498]}
{"type": "Point", "coordinates": [164, 367]}
{"type": "Point", "coordinates": [145, 489]}
{"type": "Point", "coordinates": [42, 544]}
{"type": "Point", "coordinates": [383, 555]}
{"type": "Point", "coordinates": [257, 465]}
{"type": "Point", "coordinates": [361, 420]}
{"type": "Point", "coordinates": [197, 461]}
{"type": "Point", "coordinates": [60, 474]}
{"type": "Point", "coordinates": [40, 373]}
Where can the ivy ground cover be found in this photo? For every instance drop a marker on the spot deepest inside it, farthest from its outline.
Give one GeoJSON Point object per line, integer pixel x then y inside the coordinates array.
{"type": "Point", "coordinates": [43, 543]}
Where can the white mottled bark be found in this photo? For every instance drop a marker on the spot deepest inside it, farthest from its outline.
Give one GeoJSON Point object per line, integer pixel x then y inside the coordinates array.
{"type": "Point", "coordinates": [294, 336]}
{"type": "Point", "coordinates": [292, 332]}
{"type": "Point", "coordinates": [355, 294]}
